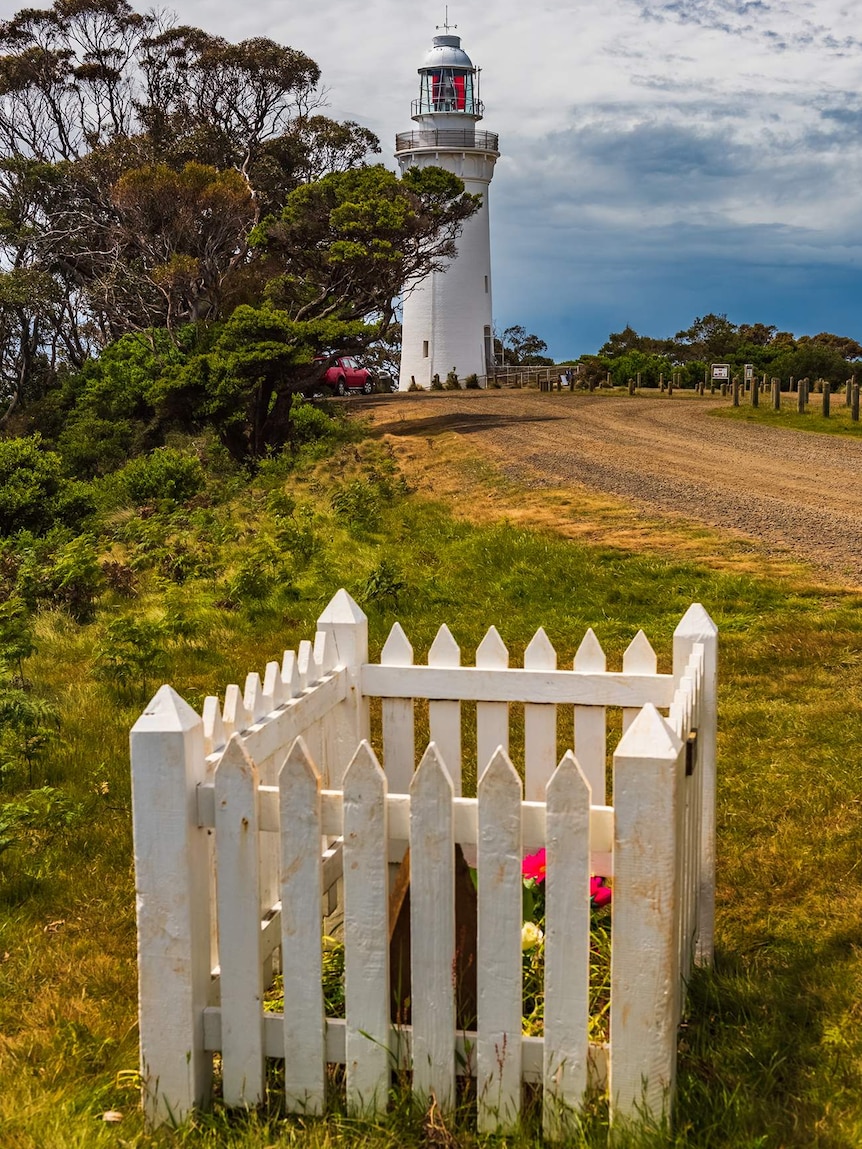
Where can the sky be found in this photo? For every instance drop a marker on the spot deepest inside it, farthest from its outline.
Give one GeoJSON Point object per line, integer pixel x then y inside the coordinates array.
{"type": "Point", "coordinates": [660, 159]}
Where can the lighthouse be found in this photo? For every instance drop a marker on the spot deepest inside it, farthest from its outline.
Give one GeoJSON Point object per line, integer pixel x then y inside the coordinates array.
{"type": "Point", "coordinates": [446, 322]}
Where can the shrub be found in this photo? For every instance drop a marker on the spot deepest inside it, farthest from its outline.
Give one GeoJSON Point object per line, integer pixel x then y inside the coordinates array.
{"type": "Point", "coordinates": [30, 483]}
{"type": "Point", "coordinates": [357, 504]}
{"type": "Point", "coordinates": [436, 385]}
{"type": "Point", "coordinates": [309, 424]}
{"type": "Point", "coordinates": [471, 383]}
{"type": "Point", "coordinates": [165, 473]}
{"type": "Point", "coordinates": [414, 386]}
{"type": "Point", "coordinates": [452, 383]}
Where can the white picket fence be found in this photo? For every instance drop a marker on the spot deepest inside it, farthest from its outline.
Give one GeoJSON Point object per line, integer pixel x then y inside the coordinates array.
{"type": "Point", "coordinates": [251, 819]}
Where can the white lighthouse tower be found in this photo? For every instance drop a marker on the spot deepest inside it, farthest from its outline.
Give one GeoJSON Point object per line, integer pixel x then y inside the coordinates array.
{"type": "Point", "coordinates": [447, 317]}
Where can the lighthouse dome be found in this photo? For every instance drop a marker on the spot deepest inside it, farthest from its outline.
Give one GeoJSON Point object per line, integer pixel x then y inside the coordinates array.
{"type": "Point", "coordinates": [447, 52]}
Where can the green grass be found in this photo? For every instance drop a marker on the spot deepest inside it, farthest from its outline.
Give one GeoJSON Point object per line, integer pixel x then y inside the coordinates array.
{"type": "Point", "coordinates": [771, 1055]}
{"type": "Point", "coordinates": [838, 422]}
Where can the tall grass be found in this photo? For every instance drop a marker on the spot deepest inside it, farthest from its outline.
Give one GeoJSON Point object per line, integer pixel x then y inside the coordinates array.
{"type": "Point", "coordinates": [772, 1050]}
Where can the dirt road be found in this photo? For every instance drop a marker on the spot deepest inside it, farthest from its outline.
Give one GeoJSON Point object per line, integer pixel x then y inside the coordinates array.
{"type": "Point", "coordinates": [792, 492]}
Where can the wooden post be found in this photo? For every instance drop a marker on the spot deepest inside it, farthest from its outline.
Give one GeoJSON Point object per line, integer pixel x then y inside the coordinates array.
{"type": "Point", "coordinates": [343, 619]}
{"type": "Point", "coordinates": [854, 408]}
{"type": "Point", "coordinates": [172, 881]}
{"type": "Point", "coordinates": [848, 393]}
{"type": "Point", "coordinates": [645, 957]}
{"type": "Point", "coordinates": [670, 383]}
{"type": "Point", "coordinates": [800, 397]}
{"type": "Point", "coordinates": [432, 932]}
{"type": "Point", "coordinates": [755, 397]}
{"type": "Point", "coordinates": [639, 381]}
{"type": "Point", "coordinates": [776, 394]}
{"type": "Point", "coordinates": [735, 390]}
{"type": "Point", "coordinates": [661, 381]}
{"type": "Point", "coordinates": [631, 386]}
{"type": "Point", "coordinates": [366, 934]}
{"type": "Point", "coordinates": [827, 387]}
{"type": "Point", "coordinates": [723, 390]}
{"type": "Point", "coordinates": [696, 626]}
{"type": "Point", "coordinates": [499, 961]}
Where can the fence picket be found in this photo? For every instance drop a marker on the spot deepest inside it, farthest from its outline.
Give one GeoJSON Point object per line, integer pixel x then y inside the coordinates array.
{"type": "Point", "coordinates": [235, 716]}
{"type": "Point", "coordinates": [241, 976]}
{"type": "Point", "coordinates": [172, 875]}
{"type": "Point", "coordinates": [696, 626]}
{"type": "Point", "coordinates": [325, 654]}
{"type": "Point", "coordinates": [540, 724]}
{"type": "Point", "coordinates": [273, 687]}
{"type": "Point", "coordinates": [492, 718]}
{"type": "Point", "coordinates": [567, 948]}
{"type": "Point", "coordinates": [305, 663]}
{"type": "Point", "coordinates": [639, 658]}
{"type": "Point", "coordinates": [214, 736]}
{"type": "Point", "coordinates": [366, 933]}
{"type": "Point", "coordinates": [432, 931]}
{"type": "Point", "coordinates": [399, 740]}
{"type": "Point", "coordinates": [253, 697]}
{"type": "Point", "coordinates": [301, 958]}
{"type": "Point", "coordinates": [591, 723]}
{"type": "Point", "coordinates": [444, 718]}
{"type": "Point", "coordinates": [499, 962]}
{"type": "Point", "coordinates": [644, 957]}
{"type": "Point", "coordinates": [290, 674]}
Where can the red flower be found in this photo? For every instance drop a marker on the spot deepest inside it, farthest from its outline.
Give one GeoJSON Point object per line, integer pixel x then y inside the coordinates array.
{"type": "Point", "coordinates": [600, 895]}
{"type": "Point", "coordinates": [534, 866]}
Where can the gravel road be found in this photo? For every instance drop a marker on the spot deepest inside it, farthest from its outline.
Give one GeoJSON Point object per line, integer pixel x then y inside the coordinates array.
{"type": "Point", "coordinates": [790, 491]}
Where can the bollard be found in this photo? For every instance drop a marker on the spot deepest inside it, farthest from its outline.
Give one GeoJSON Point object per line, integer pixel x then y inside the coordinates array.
{"type": "Point", "coordinates": [776, 394]}
{"type": "Point", "coordinates": [755, 393]}
{"type": "Point", "coordinates": [631, 386]}
{"type": "Point", "coordinates": [848, 393]}
{"type": "Point", "coordinates": [800, 397]}
{"type": "Point", "coordinates": [827, 387]}
{"type": "Point", "coordinates": [735, 391]}
{"type": "Point", "coordinates": [639, 381]}
{"type": "Point", "coordinates": [854, 404]}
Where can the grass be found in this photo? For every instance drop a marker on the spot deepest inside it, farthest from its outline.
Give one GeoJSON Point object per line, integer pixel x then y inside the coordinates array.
{"type": "Point", "coordinates": [838, 422]}
{"type": "Point", "coordinates": [771, 1055]}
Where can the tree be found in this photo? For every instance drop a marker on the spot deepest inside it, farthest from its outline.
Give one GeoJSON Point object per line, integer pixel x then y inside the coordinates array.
{"type": "Point", "coordinates": [346, 246]}
{"type": "Point", "coordinates": [517, 348]}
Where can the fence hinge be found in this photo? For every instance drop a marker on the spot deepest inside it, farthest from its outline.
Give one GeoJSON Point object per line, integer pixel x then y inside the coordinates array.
{"type": "Point", "coordinates": [690, 752]}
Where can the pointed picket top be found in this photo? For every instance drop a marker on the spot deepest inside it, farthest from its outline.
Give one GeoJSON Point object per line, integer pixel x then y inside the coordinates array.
{"type": "Point", "coordinates": [253, 696]}
{"type": "Point", "coordinates": [649, 736]}
{"type": "Point", "coordinates": [273, 687]}
{"type": "Point", "coordinates": [363, 766]}
{"type": "Point", "coordinates": [214, 732]}
{"type": "Point", "coordinates": [340, 609]}
{"type": "Point", "coordinates": [540, 655]}
{"type": "Point", "coordinates": [235, 760]}
{"type": "Point", "coordinates": [235, 716]}
{"type": "Point", "coordinates": [444, 649]}
{"type": "Point", "coordinates": [491, 652]}
{"type": "Point", "coordinates": [639, 658]}
{"type": "Point", "coordinates": [305, 663]}
{"type": "Point", "coordinates": [589, 656]}
{"type": "Point", "coordinates": [325, 654]}
{"type": "Point", "coordinates": [499, 774]}
{"type": "Point", "coordinates": [167, 711]}
{"type": "Point", "coordinates": [298, 764]}
{"type": "Point", "coordinates": [290, 674]}
{"type": "Point", "coordinates": [397, 650]}
{"type": "Point", "coordinates": [568, 783]}
{"type": "Point", "coordinates": [695, 623]}
{"type": "Point", "coordinates": [431, 775]}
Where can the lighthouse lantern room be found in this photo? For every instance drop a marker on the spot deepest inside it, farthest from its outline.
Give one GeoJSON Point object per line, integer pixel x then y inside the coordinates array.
{"type": "Point", "coordinates": [447, 316]}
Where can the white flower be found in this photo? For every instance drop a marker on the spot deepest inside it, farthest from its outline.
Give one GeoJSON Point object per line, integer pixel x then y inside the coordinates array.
{"type": "Point", "coordinates": [531, 936]}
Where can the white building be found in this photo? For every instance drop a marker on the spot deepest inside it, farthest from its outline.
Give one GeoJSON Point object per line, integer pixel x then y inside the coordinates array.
{"type": "Point", "coordinates": [447, 317]}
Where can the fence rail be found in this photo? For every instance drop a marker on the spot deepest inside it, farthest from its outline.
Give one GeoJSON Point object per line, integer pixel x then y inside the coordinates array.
{"type": "Point", "coordinates": [251, 820]}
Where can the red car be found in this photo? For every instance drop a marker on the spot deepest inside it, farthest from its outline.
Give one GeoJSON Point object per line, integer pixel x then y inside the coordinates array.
{"type": "Point", "coordinates": [345, 375]}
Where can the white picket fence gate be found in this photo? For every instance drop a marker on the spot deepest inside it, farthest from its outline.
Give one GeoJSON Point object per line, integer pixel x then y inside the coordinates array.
{"type": "Point", "coordinates": [250, 819]}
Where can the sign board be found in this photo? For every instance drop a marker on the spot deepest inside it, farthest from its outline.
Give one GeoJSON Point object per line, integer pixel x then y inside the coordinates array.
{"type": "Point", "coordinates": [721, 372]}
{"type": "Point", "coordinates": [749, 372]}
